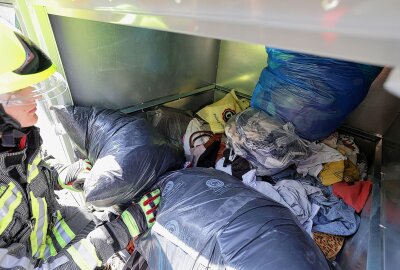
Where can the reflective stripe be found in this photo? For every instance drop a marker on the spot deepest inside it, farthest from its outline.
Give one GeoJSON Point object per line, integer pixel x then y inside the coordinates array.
{"type": "Point", "coordinates": [84, 255]}
{"type": "Point", "coordinates": [33, 170]}
{"type": "Point", "coordinates": [37, 159]}
{"type": "Point", "coordinates": [38, 235]}
{"type": "Point", "coordinates": [11, 262]}
{"type": "Point", "coordinates": [50, 249]}
{"type": "Point", "coordinates": [62, 231]}
{"type": "Point", "coordinates": [9, 201]}
{"type": "Point", "coordinates": [54, 264]}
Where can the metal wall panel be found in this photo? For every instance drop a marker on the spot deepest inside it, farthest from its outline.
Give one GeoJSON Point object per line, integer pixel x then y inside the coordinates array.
{"type": "Point", "coordinates": [119, 66]}
{"type": "Point", "coordinates": [240, 65]}
{"type": "Point", "coordinates": [378, 110]}
{"type": "Point", "coordinates": [390, 190]}
{"type": "Point", "coordinates": [358, 30]}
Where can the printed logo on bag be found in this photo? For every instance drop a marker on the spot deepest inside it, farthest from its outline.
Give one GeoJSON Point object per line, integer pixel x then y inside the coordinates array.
{"type": "Point", "coordinates": [217, 186]}
{"type": "Point", "coordinates": [214, 183]}
{"type": "Point", "coordinates": [168, 187]}
{"type": "Point", "coordinates": [227, 114]}
{"type": "Point", "coordinates": [173, 227]}
{"type": "Point", "coordinates": [3, 189]}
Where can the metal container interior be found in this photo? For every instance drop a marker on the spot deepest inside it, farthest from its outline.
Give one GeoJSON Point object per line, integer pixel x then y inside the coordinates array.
{"type": "Point", "coordinates": [132, 69]}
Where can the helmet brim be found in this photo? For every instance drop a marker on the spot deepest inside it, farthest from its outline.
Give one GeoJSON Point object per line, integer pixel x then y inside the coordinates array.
{"type": "Point", "coordinates": [52, 87]}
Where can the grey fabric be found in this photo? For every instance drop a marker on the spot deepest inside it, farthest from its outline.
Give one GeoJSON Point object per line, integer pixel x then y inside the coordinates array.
{"type": "Point", "coordinates": [106, 245]}
{"type": "Point", "coordinates": [319, 153]}
{"type": "Point", "coordinates": [335, 216]}
{"type": "Point", "coordinates": [291, 194]}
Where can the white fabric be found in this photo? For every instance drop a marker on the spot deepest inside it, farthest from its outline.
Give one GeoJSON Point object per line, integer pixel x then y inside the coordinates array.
{"type": "Point", "coordinates": [220, 166]}
{"type": "Point", "coordinates": [250, 179]}
{"type": "Point", "coordinates": [193, 126]}
{"type": "Point", "coordinates": [320, 153]}
{"type": "Point", "coordinates": [11, 262]}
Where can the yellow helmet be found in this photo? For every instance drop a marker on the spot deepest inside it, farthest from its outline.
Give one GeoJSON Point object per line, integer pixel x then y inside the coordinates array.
{"type": "Point", "coordinates": [22, 65]}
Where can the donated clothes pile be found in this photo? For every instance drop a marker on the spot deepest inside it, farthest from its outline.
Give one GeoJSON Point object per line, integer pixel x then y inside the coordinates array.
{"type": "Point", "coordinates": [271, 186]}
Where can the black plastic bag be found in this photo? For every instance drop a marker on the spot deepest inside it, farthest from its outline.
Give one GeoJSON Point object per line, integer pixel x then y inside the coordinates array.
{"type": "Point", "coordinates": [170, 122]}
{"type": "Point", "coordinates": [209, 220]}
{"type": "Point", "coordinates": [127, 152]}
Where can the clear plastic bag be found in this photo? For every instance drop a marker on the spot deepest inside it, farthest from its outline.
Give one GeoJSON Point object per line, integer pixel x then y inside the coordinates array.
{"type": "Point", "coordinates": [267, 143]}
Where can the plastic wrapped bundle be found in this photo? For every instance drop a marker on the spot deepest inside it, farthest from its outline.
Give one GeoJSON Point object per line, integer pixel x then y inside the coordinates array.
{"type": "Point", "coordinates": [313, 93]}
{"type": "Point", "coordinates": [268, 144]}
{"type": "Point", "coordinates": [127, 152]}
{"type": "Point", "coordinates": [209, 220]}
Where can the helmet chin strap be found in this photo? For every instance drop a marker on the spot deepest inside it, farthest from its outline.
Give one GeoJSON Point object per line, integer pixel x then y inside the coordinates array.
{"type": "Point", "coordinates": [11, 131]}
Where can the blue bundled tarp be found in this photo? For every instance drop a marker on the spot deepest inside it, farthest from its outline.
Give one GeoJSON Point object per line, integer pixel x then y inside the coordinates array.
{"type": "Point", "coordinates": [312, 92]}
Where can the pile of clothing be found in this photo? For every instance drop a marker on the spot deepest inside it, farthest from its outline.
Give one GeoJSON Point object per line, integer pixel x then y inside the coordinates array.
{"type": "Point", "coordinates": [324, 184]}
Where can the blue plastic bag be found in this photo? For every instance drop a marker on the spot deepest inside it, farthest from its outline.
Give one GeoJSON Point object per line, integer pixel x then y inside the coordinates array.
{"type": "Point", "coordinates": [314, 93]}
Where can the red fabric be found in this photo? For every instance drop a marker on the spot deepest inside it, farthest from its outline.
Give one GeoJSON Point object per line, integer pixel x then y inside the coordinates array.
{"type": "Point", "coordinates": [22, 142]}
{"type": "Point", "coordinates": [355, 194]}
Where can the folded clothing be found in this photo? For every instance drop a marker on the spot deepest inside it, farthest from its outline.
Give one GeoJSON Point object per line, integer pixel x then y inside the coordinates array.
{"type": "Point", "coordinates": [355, 194]}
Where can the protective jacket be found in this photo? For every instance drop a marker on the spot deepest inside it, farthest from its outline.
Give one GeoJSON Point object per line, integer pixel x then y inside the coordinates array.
{"type": "Point", "coordinates": [35, 231]}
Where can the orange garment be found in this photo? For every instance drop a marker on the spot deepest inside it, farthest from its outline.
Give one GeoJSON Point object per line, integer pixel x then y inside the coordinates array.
{"type": "Point", "coordinates": [355, 195]}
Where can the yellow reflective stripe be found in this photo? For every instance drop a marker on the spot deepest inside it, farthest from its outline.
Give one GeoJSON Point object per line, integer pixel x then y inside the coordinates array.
{"type": "Point", "coordinates": [38, 235]}
{"type": "Point", "coordinates": [84, 255]}
{"type": "Point", "coordinates": [9, 201]}
{"type": "Point", "coordinates": [130, 223]}
{"type": "Point", "coordinates": [80, 262]}
{"type": "Point", "coordinates": [92, 250]}
{"type": "Point", "coordinates": [37, 159]}
{"type": "Point", "coordinates": [63, 233]}
{"type": "Point", "coordinates": [59, 216]}
{"type": "Point", "coordinates": [68, 230]}
{"type": "Point", "coordinates": [50, 249]}
{"type": "Point", "coordinates": [33, 170]}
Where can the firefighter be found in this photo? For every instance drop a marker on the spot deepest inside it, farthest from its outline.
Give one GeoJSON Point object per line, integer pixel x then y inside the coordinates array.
{"type": "Point", "coordinates": [35, 231]}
